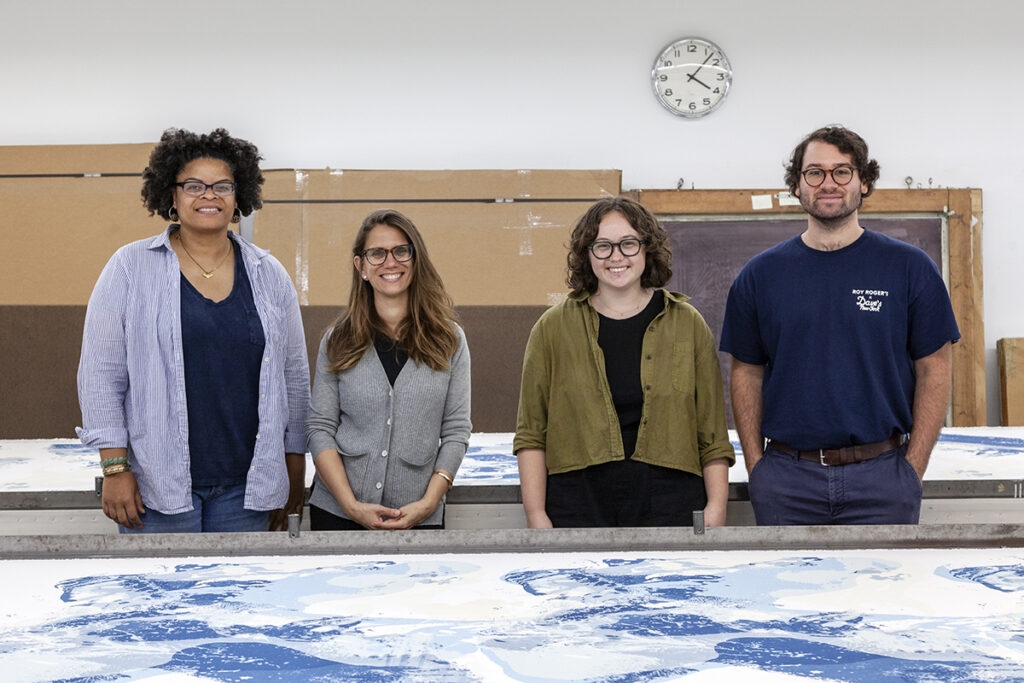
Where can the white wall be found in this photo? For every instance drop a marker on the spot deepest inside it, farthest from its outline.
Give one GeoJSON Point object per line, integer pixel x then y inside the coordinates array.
{"type": "Point", "coordinates": [934, 86]}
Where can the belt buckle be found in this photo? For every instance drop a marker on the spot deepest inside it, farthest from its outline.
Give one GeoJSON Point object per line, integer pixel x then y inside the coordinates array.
{"type": "Point", "coordinates": [821, 457]}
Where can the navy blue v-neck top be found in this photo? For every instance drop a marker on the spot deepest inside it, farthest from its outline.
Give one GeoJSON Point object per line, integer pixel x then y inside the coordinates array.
{"type": "Point", "coordinates": [223, 345]}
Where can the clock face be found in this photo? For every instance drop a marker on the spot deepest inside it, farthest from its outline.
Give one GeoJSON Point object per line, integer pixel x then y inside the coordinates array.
{"type": "Point", "coordinates": [691, 77]}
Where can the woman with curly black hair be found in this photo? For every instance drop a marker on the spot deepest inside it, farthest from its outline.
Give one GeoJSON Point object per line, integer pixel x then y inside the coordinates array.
{"type": "Point", "coordinates": [193, 379]}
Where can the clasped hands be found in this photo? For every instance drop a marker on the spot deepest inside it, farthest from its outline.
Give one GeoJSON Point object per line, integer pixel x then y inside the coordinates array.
{"type": "Point", "coordinates": [373, 516]}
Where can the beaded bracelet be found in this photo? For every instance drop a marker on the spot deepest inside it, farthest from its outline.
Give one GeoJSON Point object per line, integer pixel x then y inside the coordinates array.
{"type": "Point", "coordinates": [116, 469]}
{"type": "Point", "coordinates": [114, 461]}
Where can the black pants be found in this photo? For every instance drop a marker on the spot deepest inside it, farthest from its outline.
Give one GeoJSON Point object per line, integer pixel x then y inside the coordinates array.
{"type": "Point", "coordinates": [624, 493]}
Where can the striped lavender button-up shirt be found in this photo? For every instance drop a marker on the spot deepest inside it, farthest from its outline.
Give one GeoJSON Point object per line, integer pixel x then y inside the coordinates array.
{"type": "Point", "coordinates": [131, 381]}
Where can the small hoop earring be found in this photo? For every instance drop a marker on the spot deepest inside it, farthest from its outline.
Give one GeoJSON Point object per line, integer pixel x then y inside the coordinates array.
{"type": "Point", "coordinates": [236, 217]}
{"type": "Point", "coordinates": [172, 213]}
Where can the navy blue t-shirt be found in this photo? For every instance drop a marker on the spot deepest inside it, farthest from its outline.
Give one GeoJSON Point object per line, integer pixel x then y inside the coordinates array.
{"type": "Point", "coordinates": [838, 332]}
{"type": "Point", "coordinates": [223, 348]}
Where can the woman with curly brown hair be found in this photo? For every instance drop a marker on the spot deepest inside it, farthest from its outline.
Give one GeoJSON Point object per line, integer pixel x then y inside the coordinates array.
{"type": "Point", "coordinates": [389, 418]}
{"type": "Point", "coordinates": [621, 412]}
{"type": "Point", "coordinates": [193, 379]}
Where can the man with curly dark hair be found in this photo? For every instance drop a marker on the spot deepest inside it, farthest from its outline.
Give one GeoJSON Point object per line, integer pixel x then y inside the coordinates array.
{"type": "Point", "coordinates": [193, 379]}
{"type": "Point", "coordinates": [621, 413]}
{"type": "Point", "coordinates": [841, 343]}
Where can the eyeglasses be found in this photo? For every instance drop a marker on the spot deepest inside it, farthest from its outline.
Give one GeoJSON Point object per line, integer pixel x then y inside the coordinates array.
{"type": "Point", "coordinates": [627, 247]}
{"type": "Point", "coordinates": [378, 255]}
{"type": "Point", "coordinates": [197, 188]}
{"type": "Point", "coordinates": [842, 175]}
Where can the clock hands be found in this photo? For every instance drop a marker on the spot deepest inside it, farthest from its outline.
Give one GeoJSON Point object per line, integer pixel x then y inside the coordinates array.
{"type": "Point", "coordinates": [693, 76]}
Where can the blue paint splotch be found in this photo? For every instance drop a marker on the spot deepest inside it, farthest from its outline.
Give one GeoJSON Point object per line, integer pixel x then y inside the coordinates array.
{"type": "Point", "coordinates": [254, 662]}
{"type": "Point", "coordinates": [816, 659]}
{"type": "Point", "coordinates": [989, 446]}
{"type": "Point", "coordinates": [1004, 578]}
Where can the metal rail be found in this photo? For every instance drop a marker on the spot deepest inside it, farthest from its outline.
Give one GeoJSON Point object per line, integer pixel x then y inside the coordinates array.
{"type": "Point", "coordinates": [811, 538]}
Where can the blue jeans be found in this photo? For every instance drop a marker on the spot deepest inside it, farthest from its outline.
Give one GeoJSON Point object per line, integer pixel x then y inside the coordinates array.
{"type": "Point", "coordinates": [214, 508]}
{"type": "Point", "coordinates": [786, 490]}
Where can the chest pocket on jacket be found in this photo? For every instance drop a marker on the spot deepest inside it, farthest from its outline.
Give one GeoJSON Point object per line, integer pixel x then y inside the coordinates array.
{"type": "Point", "coordinates": [682, 366]}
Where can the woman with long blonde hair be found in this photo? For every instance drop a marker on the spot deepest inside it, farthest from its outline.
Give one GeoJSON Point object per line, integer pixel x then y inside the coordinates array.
{"type": "Point", "coordinates": [389, 418]}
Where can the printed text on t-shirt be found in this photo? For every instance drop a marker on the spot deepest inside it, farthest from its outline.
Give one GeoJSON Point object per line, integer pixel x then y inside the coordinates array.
{"type": "Point", "coordinates": [867, 299]}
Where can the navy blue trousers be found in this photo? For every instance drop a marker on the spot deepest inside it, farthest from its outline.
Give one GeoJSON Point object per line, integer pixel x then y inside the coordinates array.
{"type": "Point", "coordinates": [786, 490]}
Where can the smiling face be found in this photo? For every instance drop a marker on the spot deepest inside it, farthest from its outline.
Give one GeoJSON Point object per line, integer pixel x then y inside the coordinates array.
{"type": "Point", "coordinates": [207, 212]}
{"type": "Point", "coordinates": [830, 202]}
{"type": "Point", "coordinates": [617, 271]}
{"type": "Point", "coordinates": [392, 278]}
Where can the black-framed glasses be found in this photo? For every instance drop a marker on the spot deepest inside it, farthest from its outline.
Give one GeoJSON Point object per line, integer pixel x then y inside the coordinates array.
{"type": "Point", "coordinates": [627, 247]}
{"type": "Point", "coordinates": [197, 188]}
{"type": "Point", "coordinates": [378, 255]}
{"type": "Point", "coordinates": [841, 175]}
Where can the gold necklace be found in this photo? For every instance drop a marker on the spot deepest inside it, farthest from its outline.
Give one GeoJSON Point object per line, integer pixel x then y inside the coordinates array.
{"type": "Point", "coordinates": [206, 273]}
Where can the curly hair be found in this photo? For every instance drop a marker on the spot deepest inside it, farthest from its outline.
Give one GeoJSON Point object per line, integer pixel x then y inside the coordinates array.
{"type": "Point", "coordinates": [177, 148]}
{"type": "Point", "coordinates": [658, 268]}
{"type": "Point", "coordinates": [847, 142]}
{"type": "Point", "coordinates": [427, 334]}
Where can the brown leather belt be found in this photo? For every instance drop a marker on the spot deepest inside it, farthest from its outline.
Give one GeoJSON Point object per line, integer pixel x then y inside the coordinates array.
{"type": "Point", "coordinates": [845, 455]}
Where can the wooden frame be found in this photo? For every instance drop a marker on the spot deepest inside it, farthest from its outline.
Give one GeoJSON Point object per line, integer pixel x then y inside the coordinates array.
{"type": "Point", "coordinates": [963, 211]}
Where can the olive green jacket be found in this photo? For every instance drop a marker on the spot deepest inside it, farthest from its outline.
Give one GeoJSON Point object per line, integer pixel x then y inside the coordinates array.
{"type": "Point", "coordinates": [565, 405]}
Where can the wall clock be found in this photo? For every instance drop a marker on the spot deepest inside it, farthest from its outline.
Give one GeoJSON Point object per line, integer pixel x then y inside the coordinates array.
{"type": "Point", "coordinates": [691, 77]}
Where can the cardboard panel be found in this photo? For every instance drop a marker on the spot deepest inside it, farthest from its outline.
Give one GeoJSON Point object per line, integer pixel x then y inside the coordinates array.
{"type": "Point", "coordinates": [74, 159]}
{"type": "Point", "coordinates": [59, 231]}
{"type": "Point", "coordinates": [1011, 379]}
{"type": "Point", "coordinates": [496, 237]}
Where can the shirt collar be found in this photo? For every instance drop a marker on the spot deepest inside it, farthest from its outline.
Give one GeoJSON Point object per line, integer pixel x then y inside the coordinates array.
{"type": "Point", "coordinates": [674, 297]}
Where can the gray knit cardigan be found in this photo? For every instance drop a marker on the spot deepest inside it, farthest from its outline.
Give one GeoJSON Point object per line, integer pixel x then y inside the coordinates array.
{"type": "Point", "coordinates": [390, 439]}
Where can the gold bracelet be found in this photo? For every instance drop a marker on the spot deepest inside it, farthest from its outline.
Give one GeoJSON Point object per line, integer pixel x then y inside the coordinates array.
{"type": "Point", "coordinates": [116, 469]}
{"type": "Point", "coordinates": [447, 477]}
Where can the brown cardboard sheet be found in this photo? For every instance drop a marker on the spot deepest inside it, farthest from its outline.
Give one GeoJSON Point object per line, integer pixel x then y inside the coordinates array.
{"type": "Point", "coordinates": [58, 231]}
{"type": "Point", "coordinates": [496, 237]}
{"type": "Point", "coordinates": [73, 159]}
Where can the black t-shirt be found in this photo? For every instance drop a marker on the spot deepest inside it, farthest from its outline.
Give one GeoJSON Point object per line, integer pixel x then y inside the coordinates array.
{"type": "Point", "coordinates": [391, 355]}
{"type": "Point", "coordinates": [622, 343]}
